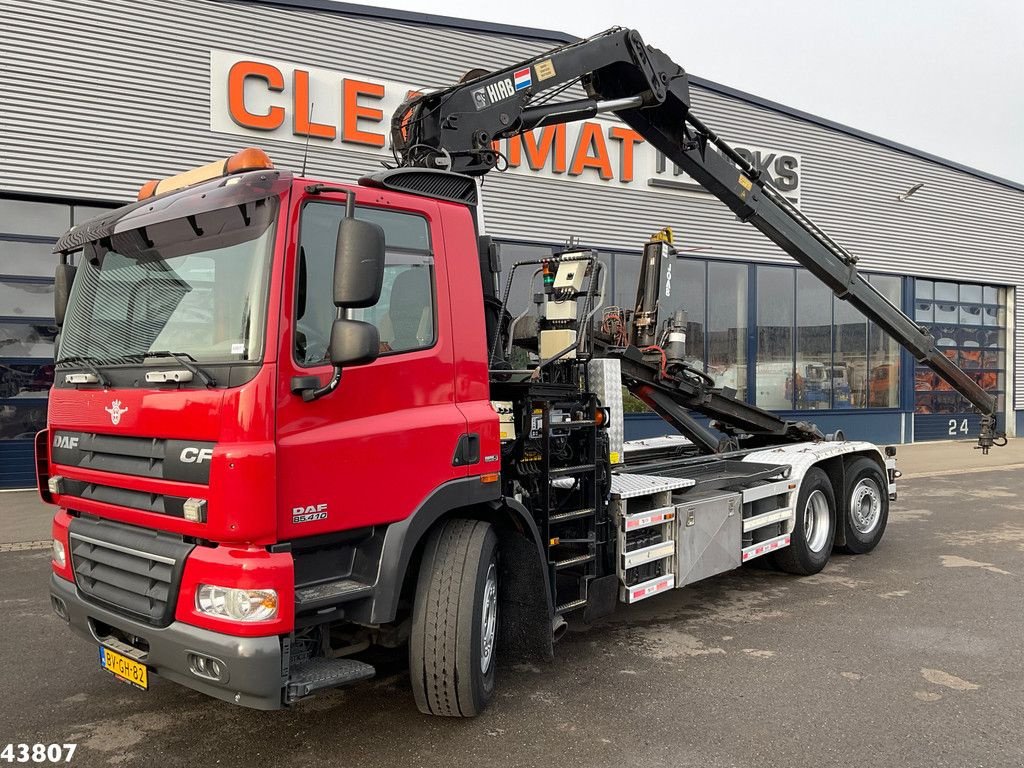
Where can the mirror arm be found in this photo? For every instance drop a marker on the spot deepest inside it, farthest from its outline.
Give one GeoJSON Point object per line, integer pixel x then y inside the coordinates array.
{"type": "Point", "coordinates": [309, 395]}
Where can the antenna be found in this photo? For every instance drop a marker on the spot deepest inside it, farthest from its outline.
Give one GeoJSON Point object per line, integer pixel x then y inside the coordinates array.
{"type": "Point", "coordinates": [305, 149]}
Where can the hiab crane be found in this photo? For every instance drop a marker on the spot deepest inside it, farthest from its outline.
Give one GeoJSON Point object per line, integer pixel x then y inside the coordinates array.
{"type": "Point", "coordinates": [294, 419]}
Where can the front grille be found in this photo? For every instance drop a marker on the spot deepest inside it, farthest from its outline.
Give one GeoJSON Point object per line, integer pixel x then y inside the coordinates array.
{"type": "Point", "coordinates": [163, 459]}
{"type": "Point", "coordinates": [163, 504]}
{"type": "Point", "coordinates": [133, 571]}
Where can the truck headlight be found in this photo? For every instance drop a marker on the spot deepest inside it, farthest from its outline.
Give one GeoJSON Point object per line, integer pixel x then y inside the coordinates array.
{"type": "Point", "coordinates": [237, 604]}
{"type": "Point", "coordinates": [58, 553]}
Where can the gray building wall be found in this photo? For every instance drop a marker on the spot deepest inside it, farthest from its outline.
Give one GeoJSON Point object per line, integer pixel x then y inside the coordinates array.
{"type": "Point", "coordinates": [98, 97]}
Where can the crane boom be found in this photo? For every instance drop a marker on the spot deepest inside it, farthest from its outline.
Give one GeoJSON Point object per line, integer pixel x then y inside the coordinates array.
{"type": "Point", "coordinates": [455, 128]}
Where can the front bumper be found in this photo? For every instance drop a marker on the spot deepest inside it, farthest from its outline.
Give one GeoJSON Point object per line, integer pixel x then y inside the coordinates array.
{"type": "Point", "coordinates": [253, 676]}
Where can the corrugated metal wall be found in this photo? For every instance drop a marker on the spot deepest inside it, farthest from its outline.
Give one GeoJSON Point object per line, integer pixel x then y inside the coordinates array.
{"type": "Point", "coordinates": [97, 97]}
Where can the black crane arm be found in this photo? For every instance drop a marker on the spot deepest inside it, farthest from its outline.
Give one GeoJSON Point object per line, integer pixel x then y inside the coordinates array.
{"type": "Point", "coordinates": [456, 127]}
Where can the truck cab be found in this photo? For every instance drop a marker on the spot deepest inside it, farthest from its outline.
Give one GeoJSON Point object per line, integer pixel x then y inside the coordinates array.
{"type": "Point", "coordinates": [210, 494]}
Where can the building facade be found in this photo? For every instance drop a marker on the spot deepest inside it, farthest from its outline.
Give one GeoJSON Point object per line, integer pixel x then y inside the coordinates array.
{"type": "Point", "coordinates": [99, 97]}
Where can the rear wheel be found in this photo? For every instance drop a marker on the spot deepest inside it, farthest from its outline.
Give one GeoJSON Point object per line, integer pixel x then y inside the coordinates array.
{"type": "Point", "coordinates": [455, 620]}
{"type": "Point", "coordinates": [867, 506]}
{"type": "Point", "coordinates": [814, 526]}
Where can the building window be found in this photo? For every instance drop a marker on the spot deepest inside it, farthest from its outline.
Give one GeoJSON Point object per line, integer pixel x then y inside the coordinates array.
{"type": "Point", "coordinates": [727, 326]}
{"type": "Point", "coordinates": [813, 342]}
{"type": "Point", "coordinates": [883, 371]}
{"type": "Point", "coordinates": [846, 381]}
{"type": "Point", "coordinates": [688, 293]}
{"type": "Point", "coordinates": [405, 316]}
{"type": "Point", "coordinates": [969, 326]}
{"type": "Point", "coordinates": [526, 280]}
{"type": "Point", "coordinates": [776, 307]}
{"type": "Point", "coordinates": [815, 351]}
{"type": "Point", "coordinates": [28, 230]}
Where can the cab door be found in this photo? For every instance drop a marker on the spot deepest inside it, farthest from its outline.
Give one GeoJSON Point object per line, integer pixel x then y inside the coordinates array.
{"type": "Point", "coordinates": [370, 452]}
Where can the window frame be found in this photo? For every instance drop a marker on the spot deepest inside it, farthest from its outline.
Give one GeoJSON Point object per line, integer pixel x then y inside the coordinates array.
{"type": "Point", "coordinates": [326, 362]}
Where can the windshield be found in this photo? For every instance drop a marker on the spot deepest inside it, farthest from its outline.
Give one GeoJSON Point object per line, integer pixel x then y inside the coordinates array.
{"type": "Point", "coordinates": [194, 286]}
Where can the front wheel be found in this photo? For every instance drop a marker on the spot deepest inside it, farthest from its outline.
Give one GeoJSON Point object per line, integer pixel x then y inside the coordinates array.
{"type": "Point", "coordinates": [455, 620]}
{"type": "Point", "coordinates": [814, 526]}
{"type": "Point", "coordinates": [867, 506]}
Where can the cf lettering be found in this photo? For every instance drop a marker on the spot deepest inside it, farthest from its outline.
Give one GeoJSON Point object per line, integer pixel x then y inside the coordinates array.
{"type": "Point", "coordinates": [192, 455]}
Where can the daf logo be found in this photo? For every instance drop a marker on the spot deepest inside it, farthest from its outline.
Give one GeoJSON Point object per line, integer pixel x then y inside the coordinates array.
{"type": "Point", "coordinates": [309, 513]}
{"type": "Point", "coordinates": [116, 411]}
{"type": "Point", "coordinates": [192, 455]}
{"type": "Point", "coordinates": [65, 441]}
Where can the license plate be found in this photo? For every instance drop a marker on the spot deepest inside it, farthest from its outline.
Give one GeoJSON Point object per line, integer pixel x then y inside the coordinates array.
{"type": "Point", "coordinates": [124, 668]}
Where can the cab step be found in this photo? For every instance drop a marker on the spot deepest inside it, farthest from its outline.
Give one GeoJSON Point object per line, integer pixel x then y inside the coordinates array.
{"type": "Point", "coordinates": [317, 674]}
{"type": "Point", "coordinates": [571, 606]}
{"type": "Point", "coordinates": [330, 593]}
{"type": "Point", "coordinates": [572, 514]}
{"type": "Point", "coordinates": [577, 560]}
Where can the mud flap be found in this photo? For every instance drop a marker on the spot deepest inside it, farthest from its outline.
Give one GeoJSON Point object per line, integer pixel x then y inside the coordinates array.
{"type": "Point", "coordinates": [524, 610]}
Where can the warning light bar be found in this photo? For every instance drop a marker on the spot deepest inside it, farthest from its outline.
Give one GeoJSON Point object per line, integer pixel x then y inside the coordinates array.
{"type": "Point", "coordinates": [248, 159]}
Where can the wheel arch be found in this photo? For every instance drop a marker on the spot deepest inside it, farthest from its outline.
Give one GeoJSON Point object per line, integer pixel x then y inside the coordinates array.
{"type": "Point", "coordinates": [527, 608]}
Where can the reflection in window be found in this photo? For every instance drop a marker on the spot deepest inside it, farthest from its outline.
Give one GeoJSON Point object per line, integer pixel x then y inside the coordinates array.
{"type": "Point", "coordinates": [686, 292]}
{"type": "Point", "coordinates": [883, 372]}
{"type": "Point", "coordinates": [29, 217]}
{"type": "Point", "coordinates": [627, 273]}
{"type": "Point", "coordinates": [813, 342]}
{"type": "Point", "coordinates": [775, 313]}
{"type": "Point", "coordinates": [727, 325]}
{"type": "Point", "coordinates": [21, 420]}
{"type": "Point", "coordinates": [520, 297]}
{"type": "Point", "coordinates": [405, 315]}
{"type": "Point", "coordinates": [26, 340]}
{"type": "Point", "coordinates": [849, 367]}
{"type": "Point", "coordinates": [25, 381]}
{"type": "Point", "coordinates": [968, 326]}
{"type": "Point", "coordinates": [25, 299]}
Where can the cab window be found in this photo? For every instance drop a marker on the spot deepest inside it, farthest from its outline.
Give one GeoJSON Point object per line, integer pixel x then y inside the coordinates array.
{"type": "Point", "coordinates": [405, 316]}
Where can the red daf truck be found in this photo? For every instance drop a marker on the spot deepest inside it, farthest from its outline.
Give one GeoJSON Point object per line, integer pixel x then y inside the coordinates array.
{"type": "Point", "coordinates": [293, 418]}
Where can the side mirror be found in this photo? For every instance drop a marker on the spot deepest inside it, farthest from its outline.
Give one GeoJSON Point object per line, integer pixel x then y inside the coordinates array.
{"type": "Point", "coordinates": [63, 278]}
{"type": "Point", "coordinates": [353, 342]}
{"type": "Point", "coordinates": [358, 264]}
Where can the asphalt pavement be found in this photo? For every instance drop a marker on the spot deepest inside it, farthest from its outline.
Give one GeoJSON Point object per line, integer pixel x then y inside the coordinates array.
{"type": "Point", "coordinates": [909, 656]}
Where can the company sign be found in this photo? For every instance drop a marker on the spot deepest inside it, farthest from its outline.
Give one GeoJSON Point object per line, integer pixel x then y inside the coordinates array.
{"type": "Point", "coordinates": [263, 99]}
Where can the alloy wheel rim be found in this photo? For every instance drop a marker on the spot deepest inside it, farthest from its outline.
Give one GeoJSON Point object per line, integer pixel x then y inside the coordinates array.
{"type": "Point", "coordinates": [865, 506]}
{"type": "Point", "coordinates": [816, 521]}
{"type": "Point", "coordinates": [489, 619]}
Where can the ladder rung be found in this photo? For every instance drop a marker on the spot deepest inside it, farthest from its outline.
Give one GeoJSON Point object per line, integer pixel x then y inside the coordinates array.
{"type": "Point", "coordinates": [578, 469]}
{"type": "Point", "coordinates": [572, 606]}
{"type": "Point", "coordinates": [577, 560]}
{"type": "Point", "coordinates": [574, 424]}
{"type": "Point", "coordinates": [572, 514]}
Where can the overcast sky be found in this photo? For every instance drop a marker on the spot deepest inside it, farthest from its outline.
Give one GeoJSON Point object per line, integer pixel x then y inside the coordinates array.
{"type": "Point", "coordinates": [943, 76]}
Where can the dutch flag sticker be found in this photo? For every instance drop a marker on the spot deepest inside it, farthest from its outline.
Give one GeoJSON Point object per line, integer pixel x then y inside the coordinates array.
{"type": "Point", "coordinates": [522, 78]}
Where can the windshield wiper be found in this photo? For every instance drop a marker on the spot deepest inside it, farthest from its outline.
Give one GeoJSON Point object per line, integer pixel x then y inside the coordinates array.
{"type": "Point", "coordinates": [86, 362]}
{"type": "Point", "coordinates": [185, 360]}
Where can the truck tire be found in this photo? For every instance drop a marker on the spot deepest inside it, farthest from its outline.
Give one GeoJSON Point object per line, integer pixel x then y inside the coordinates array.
{"type": "Point", "coordinates": [814, 526]}
{"type": "Point", "coordinates": [866, 508]}
{"type": "Point", "coordinates": [455, 620]}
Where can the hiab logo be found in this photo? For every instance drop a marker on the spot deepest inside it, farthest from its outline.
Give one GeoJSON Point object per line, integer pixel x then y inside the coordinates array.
{"type": "Point", "coordinates": [115, 410]}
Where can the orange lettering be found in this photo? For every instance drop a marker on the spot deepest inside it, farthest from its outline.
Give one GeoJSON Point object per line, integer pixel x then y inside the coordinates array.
{"type": "Point", "coordinates": [591, 139]}
{"type": "Point", "coordinates": [353, 112]}
{"type": "Point", "coordinates": [237, 75]}
{"type": "Point", "coordinates": [302, 125]}
{"type": "Point", "coordinates": [629, 139]}
{"type": "Point", "coordinates": [552, 137]}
